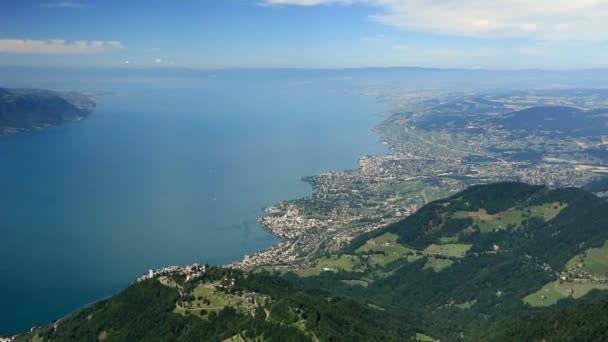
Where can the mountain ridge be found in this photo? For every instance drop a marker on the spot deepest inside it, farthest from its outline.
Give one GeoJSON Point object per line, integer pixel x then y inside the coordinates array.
{"type": "Point", "coordinates": [452, 270]}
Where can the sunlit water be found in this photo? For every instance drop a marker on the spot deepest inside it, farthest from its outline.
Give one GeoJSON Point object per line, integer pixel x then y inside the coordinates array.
{"type": "Point", "coordinates": [160, 176]}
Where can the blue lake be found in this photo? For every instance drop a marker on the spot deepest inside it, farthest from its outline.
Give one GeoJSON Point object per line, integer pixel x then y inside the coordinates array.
{"type": "Point", "coordinates": [162, 175]}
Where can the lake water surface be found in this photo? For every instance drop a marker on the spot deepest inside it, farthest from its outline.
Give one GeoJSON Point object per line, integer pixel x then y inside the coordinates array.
{"type": "Point", "coordinates": [161, 175]}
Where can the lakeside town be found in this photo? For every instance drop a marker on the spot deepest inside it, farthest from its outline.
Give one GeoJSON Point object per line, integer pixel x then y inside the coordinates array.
{"type": "Point", "coordinates": [426, 164]}
{"type": "Point", "coordinates": [188, 272]}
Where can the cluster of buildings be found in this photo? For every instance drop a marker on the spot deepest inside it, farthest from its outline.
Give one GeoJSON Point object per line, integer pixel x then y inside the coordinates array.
{"type": "Point", "coordinates": [346, 204]}
{"type": "Point", "coordinates": [424, 166]}
{"type": "Point", "coordinates": [283, 252]}
{"type": "Point", "coordinates": [578, 274]}
{"type": "Point", "coordinates": [251, 301]}
{"type": "Point", "coordinates": [190, 272]}
{"type": "Point", "coordinates": [287, 222]}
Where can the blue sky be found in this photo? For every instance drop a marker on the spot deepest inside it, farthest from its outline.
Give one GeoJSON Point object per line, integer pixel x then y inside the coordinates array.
{"type": "Point", "coordinates": [506, 34]}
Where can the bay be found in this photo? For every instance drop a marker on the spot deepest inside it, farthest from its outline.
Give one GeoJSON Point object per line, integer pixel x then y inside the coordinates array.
{"type": "Point", "coordinates": [162, 174]}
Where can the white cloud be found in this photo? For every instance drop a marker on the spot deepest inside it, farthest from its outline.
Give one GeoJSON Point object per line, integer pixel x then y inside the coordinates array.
{"type": "Point", "coordinates": [158, 60]}
{"type": "Point", "coordinates": [64, 4]}
{"type": "Point", "coordinates": [538, 19]}
{"type": "Point", "coordinates": [56, 46]}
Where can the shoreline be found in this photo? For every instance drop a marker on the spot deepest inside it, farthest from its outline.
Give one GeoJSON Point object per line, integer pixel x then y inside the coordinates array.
{"type": "Point", "coordinates": [282, 253]}
{"type": "Point", "coordinates": [383, 189]}
{"type": "Point", "coordinates": [348, 162]}
{"type": "Point", "coordinates": [284, 221]}
{"type": "Point", "coordinates": [288, 251]}
{"type": "Point", "coordinates": [323, 221]}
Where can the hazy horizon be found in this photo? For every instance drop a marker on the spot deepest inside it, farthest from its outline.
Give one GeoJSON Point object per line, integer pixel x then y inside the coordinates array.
{"type": "Point", "coordinates": [467, 34]}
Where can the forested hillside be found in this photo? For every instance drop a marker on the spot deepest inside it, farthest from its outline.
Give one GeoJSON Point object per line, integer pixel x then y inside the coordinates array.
{"type": "Point", "coordinates": [576, 322]}
{"type": "Point", "coordinates": [476, 265]}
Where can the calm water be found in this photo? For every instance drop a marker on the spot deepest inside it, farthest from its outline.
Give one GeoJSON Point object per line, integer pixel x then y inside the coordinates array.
{"type": "Point", "coordinates": [161, 176]}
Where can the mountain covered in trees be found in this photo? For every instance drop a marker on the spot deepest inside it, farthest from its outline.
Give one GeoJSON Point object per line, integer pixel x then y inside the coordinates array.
{"type": "Point", "coordinates": [586, 321]}
{"type": "Point", "coordinates": [499, 262]}
{"type": "Point", "coordinates": [28, 109]}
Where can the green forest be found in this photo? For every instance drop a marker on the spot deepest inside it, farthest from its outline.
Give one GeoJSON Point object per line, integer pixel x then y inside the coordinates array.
{"type": "Point", "coordinates": [469, 267]}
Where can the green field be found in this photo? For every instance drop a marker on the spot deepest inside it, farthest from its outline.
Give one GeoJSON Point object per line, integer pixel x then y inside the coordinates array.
{"type": "Point", "coordinates": [360, 261]}
{"type": "Point", "coordinates": [555, 291]}
{"type": "Point", "coordinates": [407, 188]}
{"type": "Point", "coordinates": [261, 269]}
{"type": "Point", "coordinates": [451, 250]}
{"type": "Point", "coordinates": [236, 338]}
{"type": "Point", "coordinates": [387, 237]}
{"type": "Point", "coordinates": [217, 300]}
{"type": "Point", "coordinates": [448, 239]}
{"type": "Point", "coordinates": [333, 263]}
{"type": "Point", "coordinates": [389, 249]}
{"type": "Point", "coordinates": [424, 338]}
{"type": "Point", "coordinates": [356, 282]}
{"type": "Point", "coordinates": [466, 305]}
{"type": "Point", "coordinates": [392, 252]}
{"type": "Point", "coordinates": [342, 263]}
{"type": "Point", "coordinates": [382, 251]}
{"type": "Point", "coordinates": [386, 243]}
{"type": "Point", "coordinates": [594, 260]}
{"type": "Point", "coordinates": [437, 264]}
{"type": "Point", "coordinates": [513, 217]}
{"type": "Point", "coordinates": [383, 260]}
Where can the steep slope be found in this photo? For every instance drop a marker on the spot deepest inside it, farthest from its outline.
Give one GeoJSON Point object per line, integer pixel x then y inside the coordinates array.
{"type": "Point", "coordinates": [486, 253]}
{"type": "Point", "coordinates": [461, 268]}
{"type": "Point", "coordinates": [578, 322]}
{"type": "Point", "coordinates": [222, 305]}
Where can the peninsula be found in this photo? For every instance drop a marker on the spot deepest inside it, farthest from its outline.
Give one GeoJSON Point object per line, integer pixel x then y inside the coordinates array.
{"type": "Point", "coordinates": [34, 109]}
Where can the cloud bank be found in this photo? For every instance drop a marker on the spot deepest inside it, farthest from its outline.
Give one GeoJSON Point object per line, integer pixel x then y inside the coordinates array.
{"type": "Point", "coordinates": [56, 46]}
{"type": "Point", "coordinates": [538, 19]}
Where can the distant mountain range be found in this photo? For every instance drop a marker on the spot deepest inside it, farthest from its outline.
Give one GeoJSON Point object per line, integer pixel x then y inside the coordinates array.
{"type": "Point", "coordinates": [30, 109]}
{"type": "Point", "coordinates": [498, 262]}
{"type": "Point", "coordinates": [24, 76]}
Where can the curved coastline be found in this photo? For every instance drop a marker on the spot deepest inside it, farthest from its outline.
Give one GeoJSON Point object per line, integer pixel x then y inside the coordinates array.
{"type": "Point", "coordinates": [351, 139]}
{"type": "Point", "coordinates": [284, 221]}
{"type": "Point", "coordinates": [292, 245]}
